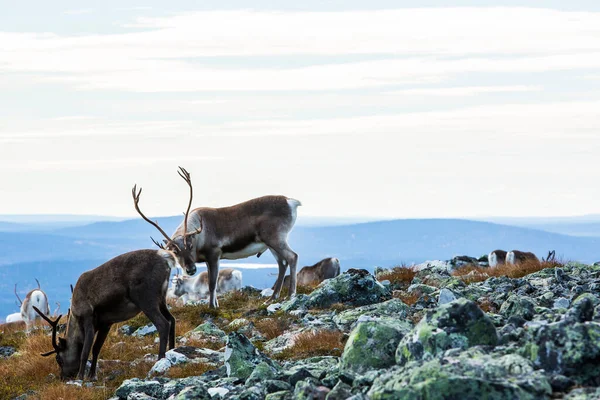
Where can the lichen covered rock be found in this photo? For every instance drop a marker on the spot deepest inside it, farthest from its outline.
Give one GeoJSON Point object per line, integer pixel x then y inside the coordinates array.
{"type": "Point", "coordinates": [571, 349]}
{"type": "Point", "coordinates": [459, 324]}
{"type": "Point", "coordinates": [391, 311]}
{"type": "Point", "coordinates": [371, 345]}
{"type": "Point", "coordinates": [241, 357]}
{"type": "Point", "coordinates": [465, 378]}
{"type": "Point", "coordinates": [355, 287]}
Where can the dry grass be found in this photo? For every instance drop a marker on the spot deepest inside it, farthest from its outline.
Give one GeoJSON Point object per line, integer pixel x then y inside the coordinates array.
{"type": "Point", "coordinates": [407, 298]}
{"type": "Point", "coordinates": [60, 391]}
{"type": "Point", "coordinates": [399, 275]}
{"type": "Point", "coordinates": [273, 327]}
{"type": "Point", "coordinates": [312, 344]}
{"type": "Point", "coordinates": [29, 372]}
{"type": "Point", "coordinates": [189, 369]}
{"type": "Point", "coordinates": [471, 273]}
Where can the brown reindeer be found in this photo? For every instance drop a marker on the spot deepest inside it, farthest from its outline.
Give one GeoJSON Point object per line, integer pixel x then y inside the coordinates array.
{"type": "Point", "coordinates": [496, 257]}
{"type": "Point", "coordinates": [116, 291]}
{"type": "Point", "coordinates": [516, 256]}
{"type": "Point", "coordinates": [239, 231]}
{"type": "Point", "coordinates": [313, 275]}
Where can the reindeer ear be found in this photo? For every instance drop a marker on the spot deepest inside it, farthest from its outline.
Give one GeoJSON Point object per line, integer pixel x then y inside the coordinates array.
{"type": "Point", "coordinates": [62, 343]}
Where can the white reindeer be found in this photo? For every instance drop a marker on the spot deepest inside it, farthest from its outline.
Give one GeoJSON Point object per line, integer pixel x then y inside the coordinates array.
{"type": "Point", "coordinates": [195, 288]}
{"type": "Point", "coordinates": [14, 317]}
{"type": "Point", "coordinates": [35, 298]}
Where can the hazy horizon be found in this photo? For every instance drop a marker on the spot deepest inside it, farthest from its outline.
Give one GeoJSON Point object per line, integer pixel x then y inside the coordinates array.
{"type": "Point", "coordinates": [388, 109]}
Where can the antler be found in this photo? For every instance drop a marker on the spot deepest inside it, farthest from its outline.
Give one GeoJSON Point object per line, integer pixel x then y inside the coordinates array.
{"type": "Point", "coordinates": [54, 325]}
{"type": "Point", "coordinates": [136, 200]}
{"type": "Point", "coordinates": [71, 289]}
{"type": "Point", "coordinates": [18, 298]}
{"type": "Point", "coordinates": [187, 178]}
{"type": "Point", "coordinates": [158, 244]}
{"type": "Point", "coordinates": [38, 282]}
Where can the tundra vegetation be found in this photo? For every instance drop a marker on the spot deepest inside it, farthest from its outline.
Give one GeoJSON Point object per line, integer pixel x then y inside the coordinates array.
{"type": "Point", "coordinates": [469, 332]}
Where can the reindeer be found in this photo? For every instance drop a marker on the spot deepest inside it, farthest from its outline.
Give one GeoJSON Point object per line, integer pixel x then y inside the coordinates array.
{"type": "Point", "coordinates": [35, 297]}
{"type": "Point", "coordinates": [116, 291]}
{"type": "Point", "coordinates": [516, 257]}
{"type": "Point", "coordinates": [14, 317]}
{"type": "Point", "coordinates": [550, 257]}
{"type": "Point", "coordinates": [496, 258]}
{"type": "Point", "coordinates": [197, 287]}
{"type": "Point", "coordinates": [239, 231]}
{"type": "Point", "coordinates": [313, 275]}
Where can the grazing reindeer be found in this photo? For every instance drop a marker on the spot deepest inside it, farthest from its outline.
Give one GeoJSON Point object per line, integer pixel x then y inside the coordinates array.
{"type": "Point", "coordinates": [197, 287]}
{"type": "Point", "coordinates": [312, 275]}
{"type": "Point", "coordinates": [239, 231]}
{"type": "Point", "coordinates": [116, 291]}
{"type": "Point", "coordinates": [496, 258]}
{"type": "Point", "coordinates": [37, 298]}
{"type": "Point", "coordinates": [515, 257]}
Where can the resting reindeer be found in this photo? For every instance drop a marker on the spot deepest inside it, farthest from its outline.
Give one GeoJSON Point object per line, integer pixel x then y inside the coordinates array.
{"type": "Point", "coordinates": [116, 291]}
{"type": "Point", "coordinates": [197, 287]}
{"type": "Point", "coordinates": [37, 298]}
{"type": "Point", "coordinates": [14, 317]}
{"type": "Point", "coordinates": [496, 257]}
{"type": "Point", "coordinates": [515, 257]}
{"type": "Point", "coordinates": [325, 269]}
{"type": "Point", "coordinates": [235, 232]}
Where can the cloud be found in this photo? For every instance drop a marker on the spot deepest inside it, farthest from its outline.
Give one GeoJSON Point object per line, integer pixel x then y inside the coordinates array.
{"type": "Point", "coordinates": [419, 46]}
{"type": "Point", "coordinates": [463, 90]}
{"type": "Point", "coordinates": [79, 11]}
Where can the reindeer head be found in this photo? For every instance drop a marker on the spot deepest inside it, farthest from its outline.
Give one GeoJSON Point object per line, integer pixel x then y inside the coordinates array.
{"type": "Point", "coordinates": [67, 354]}
{"type": "Point", "coordinates": [178, 285]}
{"type": "Point", "coordinates": [182, 247]}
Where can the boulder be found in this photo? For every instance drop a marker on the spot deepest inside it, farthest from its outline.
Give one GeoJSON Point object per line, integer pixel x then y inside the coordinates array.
{"type": "Point", "coordinates": [355, 287]}
{"type": "Point", "coordinates": [467, 377]}
{"type": "Point", "coordinates": [459, 324]}
{"type": "Point", "coordinates": [388, 311]}
{"type": "Point", "coordinates": [371, 345]}
{"type": "Point", "coordinates": [568, 348]}
{"type": "Point", "coordinates": [521, 306]}
{"type": "Point", "coordinates": [146, 330]}
{"type": "Point", "coordinates": [241, 357]}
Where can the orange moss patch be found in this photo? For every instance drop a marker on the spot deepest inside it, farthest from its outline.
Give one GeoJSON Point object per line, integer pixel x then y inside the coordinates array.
{"type": "Point", "coordinates": [313, 344]}
{"type": "Point", "coordinates": [272, 327]}
{"type": "Point", "coordinates": [407, 298]}
{"type": "Point", "coordinates": [399, 274]}
{"type": "Point", "coordinates": [188, 369]}
{"type": "Point", "coordinates": [60, 391]}
{"type": "Point", "coordinates": [471, 273]}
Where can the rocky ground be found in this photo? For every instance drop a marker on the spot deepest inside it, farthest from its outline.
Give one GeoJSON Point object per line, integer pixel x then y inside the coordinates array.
{"type": "Point", "coordinates": [404, 334]}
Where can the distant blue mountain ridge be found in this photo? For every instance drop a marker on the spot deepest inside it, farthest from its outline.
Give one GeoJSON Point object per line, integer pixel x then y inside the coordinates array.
{"type": "Point", "coordinates": [57, 257]}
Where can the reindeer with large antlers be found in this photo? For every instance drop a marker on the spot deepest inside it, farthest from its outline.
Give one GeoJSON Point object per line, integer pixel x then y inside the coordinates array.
{"type": "Point", "coordinates": [116, 291]}
{"type": "Point", "coordinates": [240, 231]}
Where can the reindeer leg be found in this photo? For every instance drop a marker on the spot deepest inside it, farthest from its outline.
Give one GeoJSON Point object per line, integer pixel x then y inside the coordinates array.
{"type": "Point", "coordinates": [100, 338]}
{"type": "Point", "coordinates": [154, 314]}
{"type": "Point", "coordinates": [165, 312]}
{"type": "Point", "coordinates": [88, 331]}
{"type": "Point", "coordinates": [212, 263]}
{"type": "Point", "coordinates": [280, 276]}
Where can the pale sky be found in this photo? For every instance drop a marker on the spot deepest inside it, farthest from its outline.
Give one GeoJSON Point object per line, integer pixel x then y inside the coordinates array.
{"type": "Point", "coordinates": [391, 109]}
